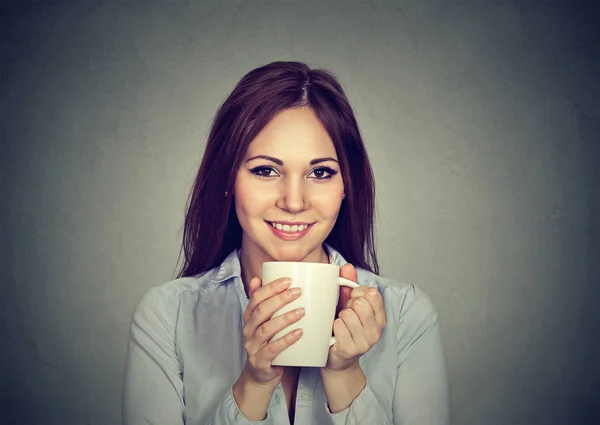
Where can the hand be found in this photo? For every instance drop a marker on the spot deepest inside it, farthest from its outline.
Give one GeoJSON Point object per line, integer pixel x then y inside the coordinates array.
{"type": "Point", "coordinates": [259, 328]}
{"type": "Point", "coordinates": [359, 325]}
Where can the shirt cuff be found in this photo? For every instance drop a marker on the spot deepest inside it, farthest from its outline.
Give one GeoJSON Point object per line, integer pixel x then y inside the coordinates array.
{"type": "Point", "coordinates": [231, 413]}
{"type": "Point", "coordinates": [365, 409]}
{"type": "Point", "coordinates": [340, 418]}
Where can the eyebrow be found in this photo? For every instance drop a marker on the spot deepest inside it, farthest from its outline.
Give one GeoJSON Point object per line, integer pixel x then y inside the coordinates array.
{"type": "Point", "coordinates": [280, 162]}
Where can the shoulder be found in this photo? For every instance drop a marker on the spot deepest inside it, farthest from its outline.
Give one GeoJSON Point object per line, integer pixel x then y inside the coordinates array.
{"type": "Point", "coordinates": [407, 306]}
{"type": "Point", "coordinates": [162, 301]}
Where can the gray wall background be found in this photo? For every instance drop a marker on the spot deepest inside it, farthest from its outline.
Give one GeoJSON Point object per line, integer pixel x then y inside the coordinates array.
{"type": "Point", "coordinates": [482, 122]}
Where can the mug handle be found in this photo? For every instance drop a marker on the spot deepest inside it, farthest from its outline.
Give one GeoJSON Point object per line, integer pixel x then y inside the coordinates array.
{"type": "Point", "coordinates": [344, 282]}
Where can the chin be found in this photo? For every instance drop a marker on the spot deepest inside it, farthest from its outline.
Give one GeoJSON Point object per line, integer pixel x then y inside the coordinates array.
{"type": "Point", "coordinates": [291, 254]}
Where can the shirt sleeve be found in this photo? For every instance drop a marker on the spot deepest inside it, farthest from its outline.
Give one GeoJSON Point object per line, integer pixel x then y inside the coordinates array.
{"type": "Point", "coordinates": [153, 391]}
{"type": "Point", "coordinates": [421, 396]}
{"type": "Point", "coordinates": [152, 384]}
{"type": "Point", "coordinates": [365, 409]}
{"type": "Point", "coordinates": [421, 388]}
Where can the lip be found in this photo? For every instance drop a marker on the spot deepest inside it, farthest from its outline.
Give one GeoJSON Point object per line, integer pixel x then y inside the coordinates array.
{"type": "Point", "coordinates": [289, 236]}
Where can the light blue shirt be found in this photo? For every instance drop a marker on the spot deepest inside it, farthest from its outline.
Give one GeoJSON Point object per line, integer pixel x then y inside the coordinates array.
{"type": "Point", "coordinates": [186, 351]}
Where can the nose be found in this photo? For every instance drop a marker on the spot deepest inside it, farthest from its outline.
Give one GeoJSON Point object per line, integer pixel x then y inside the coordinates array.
{"type": "Point", "coordinates": [292, 197]}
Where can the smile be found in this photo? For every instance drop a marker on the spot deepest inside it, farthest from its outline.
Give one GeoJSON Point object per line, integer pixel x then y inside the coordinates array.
{"type": "Point", "coordinates": [287, 227]}
{"type": "Point", "coordinates": [289, 231]}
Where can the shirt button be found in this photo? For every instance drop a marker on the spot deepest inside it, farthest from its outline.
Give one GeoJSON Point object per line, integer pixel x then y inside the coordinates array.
{"type": "Point", "coordinates": [305, 396]}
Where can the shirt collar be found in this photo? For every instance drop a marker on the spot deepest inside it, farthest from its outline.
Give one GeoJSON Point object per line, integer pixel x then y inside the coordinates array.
{"type": "Point", "coordinates": [230, 267]}
{"type": "Point", "coordinates": [334, 256]}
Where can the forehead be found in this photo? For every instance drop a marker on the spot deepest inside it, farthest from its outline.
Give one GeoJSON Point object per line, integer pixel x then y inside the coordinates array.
{"type": "Point", "coordinates": [293, 133]}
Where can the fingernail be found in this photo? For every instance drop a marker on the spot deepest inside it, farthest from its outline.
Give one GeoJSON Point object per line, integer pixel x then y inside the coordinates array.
{"type": "Point", "coordinates": [299, 311]}
{"type": "Point", "coordinates": [285, 282]}
{"type": "Point", "coordinates": [297, 332]}
{"type": "Point", "coordinates": [372, 291]}
{"type": "Point", "coordinates": [295, 291]}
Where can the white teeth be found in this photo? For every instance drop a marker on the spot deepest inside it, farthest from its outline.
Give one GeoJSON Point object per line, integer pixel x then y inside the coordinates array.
{"type": "Point", "coordinates": [288, 228]}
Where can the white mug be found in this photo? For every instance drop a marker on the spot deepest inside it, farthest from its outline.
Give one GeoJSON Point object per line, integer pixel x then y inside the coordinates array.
{"type": "Point", "coordinates": [320, 285]}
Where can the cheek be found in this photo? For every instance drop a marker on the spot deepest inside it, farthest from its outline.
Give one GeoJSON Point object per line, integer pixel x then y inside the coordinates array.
{"type": "Point", "coordinates": [328, 202]}
{"type": "Point", "coordinates": [240, 199]}
{"type": "Point", "coordinates": [251, 197]}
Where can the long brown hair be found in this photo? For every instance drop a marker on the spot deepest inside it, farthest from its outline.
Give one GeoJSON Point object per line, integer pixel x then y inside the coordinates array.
{"type": "Point", "coordinates": [211, 230]}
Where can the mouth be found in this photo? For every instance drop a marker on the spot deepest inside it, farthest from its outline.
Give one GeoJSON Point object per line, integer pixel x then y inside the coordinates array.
{"type": "Point", "coordinates": [289, 231]}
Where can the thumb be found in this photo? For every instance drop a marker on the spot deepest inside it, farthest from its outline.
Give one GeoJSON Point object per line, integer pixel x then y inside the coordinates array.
{"type": "Point", "coordinates": [349, 272]}
{"type": "Point", "coordinates": [255, 285]}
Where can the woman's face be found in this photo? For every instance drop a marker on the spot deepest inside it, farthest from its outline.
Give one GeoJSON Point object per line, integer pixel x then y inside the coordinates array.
{"type": "Point", "coordinates": [289, 189]}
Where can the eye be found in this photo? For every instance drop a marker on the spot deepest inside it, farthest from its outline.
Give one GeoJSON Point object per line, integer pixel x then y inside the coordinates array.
{"type": "Point", "coordinates": [264, 171]}
{"type": "Point", "coordinates": [323, 173]}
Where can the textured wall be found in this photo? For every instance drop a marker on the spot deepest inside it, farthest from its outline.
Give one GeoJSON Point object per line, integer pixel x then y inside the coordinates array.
{"type": "Point", "coordinates": [482, 120]}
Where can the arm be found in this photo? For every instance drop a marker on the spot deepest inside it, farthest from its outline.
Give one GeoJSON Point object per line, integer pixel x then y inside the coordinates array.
{"type": "Point", "coordinates": [152, 385]}
{"type": "Point", "coordinates": [341, 388]}
{"type": "Point", "coordinates": [153, 392]}
{"type": "Point", "coordinates": [251, 397]}
{"type": "Point", "coordinates": [421, 396]}
{"type": "Point", "coordinates": [421, 388]}
{"type": "Point", "coordinates": [358, 328]}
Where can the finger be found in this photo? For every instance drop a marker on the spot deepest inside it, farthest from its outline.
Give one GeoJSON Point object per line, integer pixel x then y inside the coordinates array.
{"type": "Point", "coordinates": [265, 292]}
{"type": "Point", "coordinates": [343, 338]}
{"type": "Point", "coordinates": [270, 351]}
{"type": "Point", "coordinates": [356, 293]}
{"type": "Point", "coordinates": [373, 296]}
{"type": "Point", "coordinates": [343, 299]}
{"type": "Point", "coordinates": [265, 310]}
{"type": "Point", "coordinates": [268, 329]}
{"type": "Point", "coordinates": [356, 329]}
{"type": "Point", "coordinates": [361, 291]}
{"type": "Point", "coordinates": [365, 314]}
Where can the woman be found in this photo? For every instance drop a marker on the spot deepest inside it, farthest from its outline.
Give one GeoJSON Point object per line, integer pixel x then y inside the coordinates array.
{"type": "Point", "coordinates": [285, 177]}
